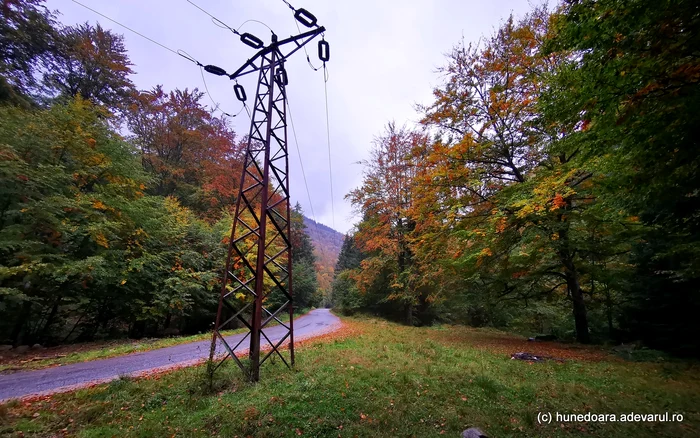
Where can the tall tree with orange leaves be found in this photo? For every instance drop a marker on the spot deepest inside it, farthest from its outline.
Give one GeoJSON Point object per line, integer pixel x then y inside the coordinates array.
{"type": "Point", "coordinates": [385, 200]}
{"type": "Point", "coordinates": [192, 154]}
{"type": "Point", "coordinates": [514, 213]}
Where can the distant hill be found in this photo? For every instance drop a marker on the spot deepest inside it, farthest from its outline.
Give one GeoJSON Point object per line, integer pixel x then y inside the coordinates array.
{"type": "Point", "coordinates": [327, 243]}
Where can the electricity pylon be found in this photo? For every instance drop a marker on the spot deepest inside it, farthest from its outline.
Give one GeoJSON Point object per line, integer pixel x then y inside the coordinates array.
{"type": "Point", "coordinates": [259, 260]}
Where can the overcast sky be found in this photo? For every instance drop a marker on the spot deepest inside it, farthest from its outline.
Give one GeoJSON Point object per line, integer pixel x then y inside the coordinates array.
{"type": "Point", "coordinates": [384, 57]}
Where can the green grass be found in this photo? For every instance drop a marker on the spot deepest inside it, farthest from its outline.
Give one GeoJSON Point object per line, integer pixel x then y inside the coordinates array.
{"type": "Point", "coordinates": [114, 348]}
{"type": "Point", "coordinates": [381, 380]}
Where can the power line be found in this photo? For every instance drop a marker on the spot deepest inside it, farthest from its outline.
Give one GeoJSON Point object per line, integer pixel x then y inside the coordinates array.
{"type": "Point", "coordinates": [290, 6]}
{"type": "Point", "coordinates": [308, 59]}
{"type": "Point", "coordinates": [178, 52]}
{"type": "Point", "coordinates": [215, 105]}
{"type": "Point", "coordinates": [132, 30]}
{"type": "Point", "coordinates": [255, 21]}
{"type": "Point", "coordinates": [328, 132]}
{"type": "Point", "coordinates": [303, 173]}
{"type": "Point", "coordinates": [214, 19]}
{"type": "Point", "coordinates": [223, 25]}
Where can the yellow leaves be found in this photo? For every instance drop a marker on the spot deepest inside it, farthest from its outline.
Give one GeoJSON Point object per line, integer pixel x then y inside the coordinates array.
{"type": "Point", "coordinates": [98, 205]}
{"type": "Point", "coordinates": [123, 282]}
{"type": "Point", "coordinates": [555, 236]}
{"type": "Point", "coordinates": [525, 210]}
{"type": "Point", "coordinates": [486, 252]}
{"type": "Point", "coordinates": [101, 240]}
{"type": "Point", "coordinates": [177, 212]}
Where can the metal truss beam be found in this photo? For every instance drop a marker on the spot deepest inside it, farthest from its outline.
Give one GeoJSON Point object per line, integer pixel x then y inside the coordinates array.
{"type": "Point", "coordinates": [259, 261]}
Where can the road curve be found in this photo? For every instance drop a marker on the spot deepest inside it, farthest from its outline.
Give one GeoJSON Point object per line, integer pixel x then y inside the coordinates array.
{"type": "Point", "coordinates": [67, 377]}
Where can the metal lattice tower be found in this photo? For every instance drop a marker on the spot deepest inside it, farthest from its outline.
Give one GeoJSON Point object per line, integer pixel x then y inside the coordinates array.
{"type": "Point", "coordinates": [259, 260]}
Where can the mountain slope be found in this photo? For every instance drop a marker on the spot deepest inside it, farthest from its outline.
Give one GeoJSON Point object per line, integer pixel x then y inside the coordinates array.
{"type": "Point", "coordinates": [327, 243]}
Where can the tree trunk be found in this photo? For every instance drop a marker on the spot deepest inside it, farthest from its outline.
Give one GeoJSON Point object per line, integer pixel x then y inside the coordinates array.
{"type": "Point", "coordinates": [574, 287]}
{"type": "Point", "coordinates": [580, 316]}
{"type": "Point", "coordinates": [608, 305]}
{"type": "Point", "coordinates": [50, 318]}
{"type": "Point", "coordinates": [18, 330]}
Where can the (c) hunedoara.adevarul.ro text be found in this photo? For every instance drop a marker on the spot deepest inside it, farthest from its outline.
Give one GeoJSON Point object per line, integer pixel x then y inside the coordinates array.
{"type": "Point", "coordinates": [591, 417]}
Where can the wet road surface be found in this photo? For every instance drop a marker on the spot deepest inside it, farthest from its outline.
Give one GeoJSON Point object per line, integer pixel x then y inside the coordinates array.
{"type": "Point", "coordinates": [26, 383]}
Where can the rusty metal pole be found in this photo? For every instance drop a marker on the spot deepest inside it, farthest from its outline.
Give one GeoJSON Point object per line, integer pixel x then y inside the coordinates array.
{"type": "Point", "coordinates": [262, 238]}
{"type": "Point", "coordinates": [290, 289]}
{"type": "Point", "coordinates": [259, 260]}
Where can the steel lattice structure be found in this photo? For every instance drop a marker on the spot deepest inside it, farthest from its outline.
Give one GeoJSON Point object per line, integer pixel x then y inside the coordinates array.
{"type": "Point", "coordinates": [259, 260]}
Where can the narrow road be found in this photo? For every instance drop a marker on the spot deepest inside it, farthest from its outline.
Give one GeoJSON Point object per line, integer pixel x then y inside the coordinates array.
{"type": "Point", "coordinates": [25, 383]}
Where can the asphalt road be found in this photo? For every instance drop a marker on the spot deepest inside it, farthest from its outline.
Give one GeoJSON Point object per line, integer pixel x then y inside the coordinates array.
{"type": "Point", "coordinates": [26, 383]}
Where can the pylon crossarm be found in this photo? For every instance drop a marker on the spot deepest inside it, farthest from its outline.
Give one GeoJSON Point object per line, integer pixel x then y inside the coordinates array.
{"type": "Point", "coordinates": [250, 67]}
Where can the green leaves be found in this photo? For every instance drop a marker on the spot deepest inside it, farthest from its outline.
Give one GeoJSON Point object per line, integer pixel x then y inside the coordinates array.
{"type": "Point", "coordinates": [76, 226]}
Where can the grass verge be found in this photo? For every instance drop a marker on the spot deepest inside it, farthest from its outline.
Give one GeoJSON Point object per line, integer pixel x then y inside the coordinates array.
{"type": "Point", "coordinates": [379, 379]}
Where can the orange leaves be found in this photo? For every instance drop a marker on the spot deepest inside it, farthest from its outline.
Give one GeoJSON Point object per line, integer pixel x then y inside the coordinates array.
{"type": "Point", "coordinates": [501, 224]}
{"type": "Point", "coordinates": [98, 205]}
{"type": "Point", "coordinates": [558, 202]}
{"type": "Point", "coordinates": [486, 252]}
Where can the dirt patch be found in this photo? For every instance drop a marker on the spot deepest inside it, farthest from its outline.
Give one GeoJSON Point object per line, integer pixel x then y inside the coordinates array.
{"type": "Point", "coordinates": [502, 343]}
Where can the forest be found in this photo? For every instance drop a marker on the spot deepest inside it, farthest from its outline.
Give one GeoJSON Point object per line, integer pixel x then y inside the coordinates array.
{"type": "Point", "coordinates": [552, 186]}
{"type": "Point", "coordinates": [115, 203]}
{"type": "Point", "coordinates": [521, 255]}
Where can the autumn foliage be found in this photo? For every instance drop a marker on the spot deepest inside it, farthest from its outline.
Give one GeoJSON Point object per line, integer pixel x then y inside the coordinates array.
{"type": "Point", "coordinates": [115, 204]}
{"type": "Point", "coordinates": [530, 196]}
